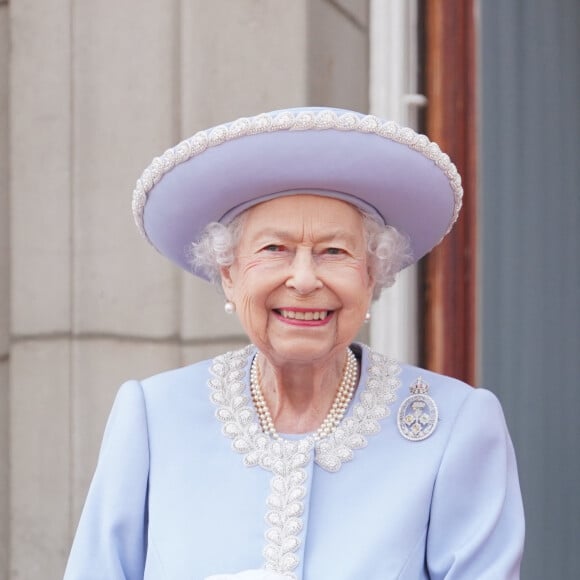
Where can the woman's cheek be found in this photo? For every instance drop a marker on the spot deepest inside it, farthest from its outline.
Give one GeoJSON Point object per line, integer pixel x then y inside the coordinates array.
{"type": "Point", "coordinates": [357, 269]}
{"type": "Point", "coordinates": [254, 319]}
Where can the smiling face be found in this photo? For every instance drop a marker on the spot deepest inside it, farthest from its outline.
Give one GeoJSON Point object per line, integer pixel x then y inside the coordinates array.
{"type": "Point", "coordinates": [300, 278]}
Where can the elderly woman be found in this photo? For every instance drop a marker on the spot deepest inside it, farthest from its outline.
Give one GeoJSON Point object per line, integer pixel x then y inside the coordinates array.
{"type": "Point", "coordinates": [304, 455]}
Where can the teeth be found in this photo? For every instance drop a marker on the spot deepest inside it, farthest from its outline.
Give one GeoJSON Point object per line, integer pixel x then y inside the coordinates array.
{"type": "Point", "coordinates": [312, 315]}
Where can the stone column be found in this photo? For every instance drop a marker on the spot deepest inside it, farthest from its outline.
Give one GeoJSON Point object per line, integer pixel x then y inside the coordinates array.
{"type": "Point", "coordinates": [97, 90]}
{"type": "Point", "coordinates": [4, 294]}
{"type": "Point", "coordinates": [338, 53]}
{"type": "Point", "coordinates": [40, 202]}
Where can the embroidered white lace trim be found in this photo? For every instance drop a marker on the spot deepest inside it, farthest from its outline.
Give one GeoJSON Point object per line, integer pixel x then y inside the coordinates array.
{"type": "Point", "coordinates": [324, 119]}
{"type": "Point", "coordinates": [286, 459]}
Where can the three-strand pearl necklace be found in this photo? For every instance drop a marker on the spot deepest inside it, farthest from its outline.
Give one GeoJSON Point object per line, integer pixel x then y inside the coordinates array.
{"type": "Point", "coordinates": [337, 411]}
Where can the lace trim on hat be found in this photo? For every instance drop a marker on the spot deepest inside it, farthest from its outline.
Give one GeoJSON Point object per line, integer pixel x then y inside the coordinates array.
{"type": "Point", "coordinates": [287, 459]}
{"type": "Point", "coordinates": [325, 119]}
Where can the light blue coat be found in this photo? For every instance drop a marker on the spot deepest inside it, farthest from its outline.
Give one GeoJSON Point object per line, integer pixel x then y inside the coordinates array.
{"type": "Point", "coordinates": [188, 486]}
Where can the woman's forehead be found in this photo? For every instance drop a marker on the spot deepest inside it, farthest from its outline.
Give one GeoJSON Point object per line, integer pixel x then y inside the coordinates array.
{"type": "Point", "coordinates": [304, 208]}
{"type": "Point", "coordinates": [299, 216]}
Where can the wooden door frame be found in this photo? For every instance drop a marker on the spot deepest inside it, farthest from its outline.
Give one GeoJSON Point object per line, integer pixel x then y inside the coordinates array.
{"type": "Point", "coordinates": [449, 297]}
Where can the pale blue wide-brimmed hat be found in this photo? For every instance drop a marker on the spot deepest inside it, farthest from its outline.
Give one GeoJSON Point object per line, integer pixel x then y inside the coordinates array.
{"type": "Point", "coordinates": [391, 172]}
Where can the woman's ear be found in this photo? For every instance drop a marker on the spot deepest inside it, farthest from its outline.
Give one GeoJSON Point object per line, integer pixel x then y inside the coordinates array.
{"type": "Point", "coordinates": [371, 285]}
{"type": "Point", "coordinates": [227, 282]}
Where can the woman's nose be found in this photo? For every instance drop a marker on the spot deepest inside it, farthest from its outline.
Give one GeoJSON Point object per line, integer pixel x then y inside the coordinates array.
{"type": "Point", "coordinates": [303, 275]}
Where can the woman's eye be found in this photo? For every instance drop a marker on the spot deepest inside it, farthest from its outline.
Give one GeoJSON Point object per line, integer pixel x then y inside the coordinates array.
{"type": "Point", "coordinates": [273, 248]}
{"type": "Point", "coordinates": [334, 251]}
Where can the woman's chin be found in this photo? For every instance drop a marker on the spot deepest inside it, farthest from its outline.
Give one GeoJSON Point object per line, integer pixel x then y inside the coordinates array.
{"type": "Point", "coordinates": [301, 350]}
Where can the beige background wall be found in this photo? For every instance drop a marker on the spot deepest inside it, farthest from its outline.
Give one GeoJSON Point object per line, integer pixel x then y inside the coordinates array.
{"type": "Point", "coordinates": [89, 93]}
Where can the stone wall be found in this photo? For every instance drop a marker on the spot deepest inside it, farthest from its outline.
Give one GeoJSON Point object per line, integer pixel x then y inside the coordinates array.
{"type": "Point", "coordinates": [90, 92]}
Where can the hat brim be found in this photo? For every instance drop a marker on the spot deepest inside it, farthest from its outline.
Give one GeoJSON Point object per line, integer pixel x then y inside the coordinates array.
{"type": "Point", "coordinates": [390, 171]}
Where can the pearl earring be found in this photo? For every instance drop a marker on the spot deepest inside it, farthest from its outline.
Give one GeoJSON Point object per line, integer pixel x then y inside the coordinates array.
{"type": "Point", "coordinates": [367, 316]}
{"type": "Point", "coordinates": [229, 307]}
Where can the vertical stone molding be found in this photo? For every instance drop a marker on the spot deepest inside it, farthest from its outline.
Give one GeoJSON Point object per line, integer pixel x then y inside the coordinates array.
{"type": "Point", "coordinates": [241, 58]}
{"type": "Point", "coordinates": [40, 460]}
{"type": "Point", "coordinates": [338, 54]}
{"type": "Point", "coordinates": [123, 72]}
{"type": "Point", "coordinates": [40, 171]}
{"type": "Point", "coordinates": [40, 286]}
{"type": "Point", "coordinates": [4, 292]}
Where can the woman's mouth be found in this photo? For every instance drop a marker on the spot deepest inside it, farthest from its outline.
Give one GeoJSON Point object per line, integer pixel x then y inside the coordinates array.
{"type": "Point", "coordinates": [302, 316]}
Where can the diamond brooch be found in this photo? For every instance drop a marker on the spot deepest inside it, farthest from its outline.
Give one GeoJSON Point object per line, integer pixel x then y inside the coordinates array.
{"type": "Point", "coordinates": [418, 415]}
